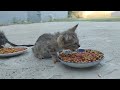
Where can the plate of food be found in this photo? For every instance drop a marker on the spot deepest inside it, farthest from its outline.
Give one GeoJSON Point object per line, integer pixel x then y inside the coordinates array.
{"type": "Point", "coordinates": [12, 51]}
{"type": "Point", "coordinates": [81, 58]}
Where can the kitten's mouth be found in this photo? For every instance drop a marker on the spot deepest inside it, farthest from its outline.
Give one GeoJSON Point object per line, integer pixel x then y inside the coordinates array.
{"type": "Point", "coordinates": [71, 49]}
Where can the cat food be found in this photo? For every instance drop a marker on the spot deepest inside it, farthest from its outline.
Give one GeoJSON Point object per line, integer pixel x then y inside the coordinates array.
{"type": "Point", "coordinates": [10, 50]}
{"type": "Point", "coordinates": [82, 57]}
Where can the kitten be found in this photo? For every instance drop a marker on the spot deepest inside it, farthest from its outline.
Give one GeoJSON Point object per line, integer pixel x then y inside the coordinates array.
{"type": "Point", "coordinates": [4, 40]}
{"type": "Point", "coordinates": [48, 45]}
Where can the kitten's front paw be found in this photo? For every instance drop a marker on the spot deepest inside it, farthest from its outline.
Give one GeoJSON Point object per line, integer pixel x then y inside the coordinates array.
{"type": "Point", "coordinates": [40, 57]}
{"type": "Point", "coordinates": [56, 60]}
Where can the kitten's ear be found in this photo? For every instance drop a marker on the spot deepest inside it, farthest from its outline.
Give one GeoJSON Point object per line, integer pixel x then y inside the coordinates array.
{"type": "Point", "coordinates": [73, 28]}
{"type": "Point", "coordinates": [60, 40]}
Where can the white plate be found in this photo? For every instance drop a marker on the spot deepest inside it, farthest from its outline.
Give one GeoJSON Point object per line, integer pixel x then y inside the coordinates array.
{"type": "Point", "coordinates": [13, 54]}
{"type": "Point", "coordinates": [80, 65]}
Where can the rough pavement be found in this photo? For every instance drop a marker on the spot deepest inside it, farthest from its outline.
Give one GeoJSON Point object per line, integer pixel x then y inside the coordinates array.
{"type": "Point", "coordinates": [103, 36]}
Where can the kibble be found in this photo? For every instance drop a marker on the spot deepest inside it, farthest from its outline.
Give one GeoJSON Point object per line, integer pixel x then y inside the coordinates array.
{"type": "Point", "coordinates": [82, 57]}
{"type": "Point", "coordinates": [10, 50]}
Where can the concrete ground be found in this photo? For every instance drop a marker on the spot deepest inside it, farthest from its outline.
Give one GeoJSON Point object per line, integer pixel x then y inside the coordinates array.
{"type": "Point", "coordinates": [103, 36]}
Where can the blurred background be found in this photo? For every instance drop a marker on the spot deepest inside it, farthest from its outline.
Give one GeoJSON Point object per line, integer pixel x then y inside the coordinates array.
{"type": "Point", "coordinates": [25, 17]}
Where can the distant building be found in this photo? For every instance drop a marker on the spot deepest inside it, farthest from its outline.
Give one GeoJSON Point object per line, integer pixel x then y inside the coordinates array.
{"type": "Point", "coordinates": [7, 17]}
{"type": "Point", "coordinates": [39, 16]}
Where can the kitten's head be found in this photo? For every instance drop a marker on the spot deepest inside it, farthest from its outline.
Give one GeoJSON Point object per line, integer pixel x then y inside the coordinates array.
{"type": "Point", "coordinates": [69, 39]}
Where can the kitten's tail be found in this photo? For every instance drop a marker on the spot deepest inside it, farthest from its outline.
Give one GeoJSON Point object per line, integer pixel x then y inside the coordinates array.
{"type": "Point", "coordinates": [19, 45]}
{"type": "Point", "coordinates": [12, 44]}
{"type": "Point", "coordinates": [26, 45]}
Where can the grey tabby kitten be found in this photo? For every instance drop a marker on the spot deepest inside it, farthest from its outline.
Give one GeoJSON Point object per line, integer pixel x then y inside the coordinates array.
{"type": "Point", "coordinates": [4, 40]}
{"type": "Point", "coordinates": [48, 45]}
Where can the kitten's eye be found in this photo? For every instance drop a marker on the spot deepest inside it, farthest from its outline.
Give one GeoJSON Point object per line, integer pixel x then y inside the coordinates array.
{"type": "Point", "coordinates": [76, 43]}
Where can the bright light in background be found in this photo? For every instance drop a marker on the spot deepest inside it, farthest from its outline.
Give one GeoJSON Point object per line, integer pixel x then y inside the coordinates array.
{"type": "Point", "coordinates": [90, 12]}
{"type": "Point", "coordinates": [96, 14]}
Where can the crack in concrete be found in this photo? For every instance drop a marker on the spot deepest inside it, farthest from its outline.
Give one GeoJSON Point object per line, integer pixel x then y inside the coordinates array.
{"type": "Point", "coordinates": [111, 72]}
{"type": "Point", "coordinates": [55, 77]}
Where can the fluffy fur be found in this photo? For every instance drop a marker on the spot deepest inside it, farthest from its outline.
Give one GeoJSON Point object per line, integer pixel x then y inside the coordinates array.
{"type": "Point", "coordinates": [48, 44]}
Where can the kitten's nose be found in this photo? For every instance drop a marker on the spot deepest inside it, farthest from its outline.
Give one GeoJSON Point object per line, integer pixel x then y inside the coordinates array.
{"type": "Point", "coordinates": [78, 45]}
